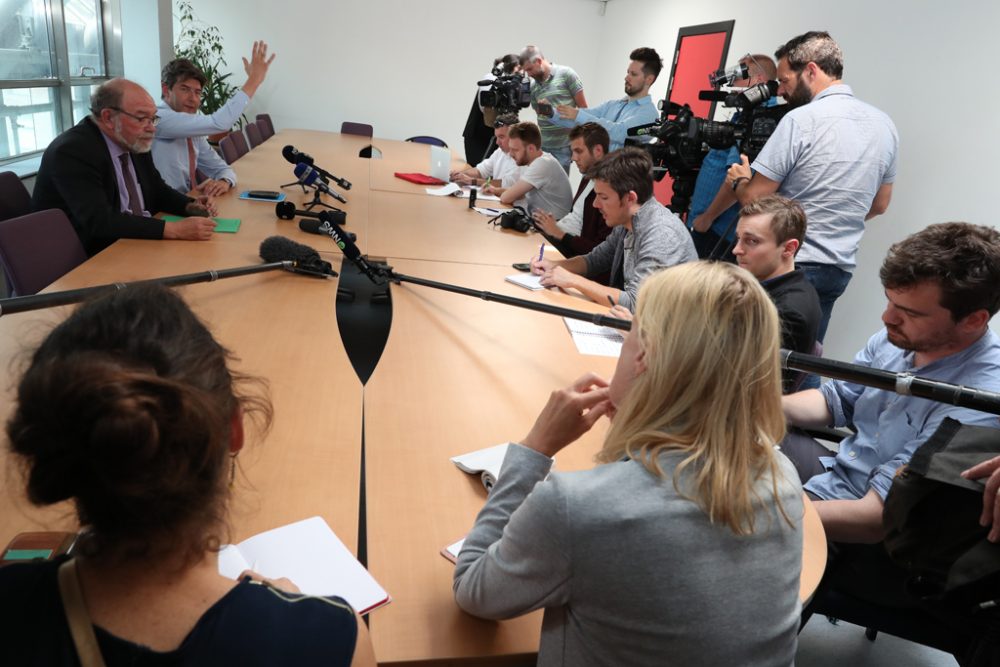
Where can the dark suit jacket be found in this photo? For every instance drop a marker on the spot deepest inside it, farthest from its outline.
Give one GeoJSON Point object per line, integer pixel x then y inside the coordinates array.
{"type": "Point", "coordinates": [78, 177]}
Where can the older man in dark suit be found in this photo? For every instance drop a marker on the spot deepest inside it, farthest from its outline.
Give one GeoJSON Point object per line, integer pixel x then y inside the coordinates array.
{"type": "Point", "coordinates": [101, 174]}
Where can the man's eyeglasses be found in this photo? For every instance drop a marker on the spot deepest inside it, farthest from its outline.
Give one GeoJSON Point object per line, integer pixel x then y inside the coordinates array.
{"type": "Point", "coordinates": [152, 120]}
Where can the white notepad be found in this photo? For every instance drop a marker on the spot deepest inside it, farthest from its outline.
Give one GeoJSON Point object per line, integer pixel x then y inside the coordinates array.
{"type": "Point", "coordinates": [483, 462]}
{"type": "Point", "coordinates": [311, 555]}
{"type": "Point", "coordinates": [593, 339]}
{"type": "Point", "coordinates": [527, 280]}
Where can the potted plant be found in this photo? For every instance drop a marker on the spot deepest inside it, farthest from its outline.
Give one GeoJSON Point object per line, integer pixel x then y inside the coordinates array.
{"type": "Point", "coordinates": [202, 44]}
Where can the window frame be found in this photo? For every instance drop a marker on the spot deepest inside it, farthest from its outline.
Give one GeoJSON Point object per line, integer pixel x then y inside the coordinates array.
{"type": "Point", "coordinates": [64, 81]}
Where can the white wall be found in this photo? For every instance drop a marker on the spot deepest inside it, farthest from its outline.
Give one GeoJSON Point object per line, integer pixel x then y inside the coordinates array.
{"type": "Point", "coordinates": [409, 68]}
{"type": "Point", "coordinates": [141, 43]}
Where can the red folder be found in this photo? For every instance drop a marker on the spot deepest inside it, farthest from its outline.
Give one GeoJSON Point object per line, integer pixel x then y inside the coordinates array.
{"type": "Point", "coordinates": [422, 179]}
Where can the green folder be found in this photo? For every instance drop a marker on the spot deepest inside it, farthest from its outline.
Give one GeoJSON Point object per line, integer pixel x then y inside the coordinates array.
{"type": "Point", "coordinates": [225, 225]}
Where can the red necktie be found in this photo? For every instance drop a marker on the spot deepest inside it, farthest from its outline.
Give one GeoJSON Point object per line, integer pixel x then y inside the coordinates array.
{"type": "Point", "coordinates": [192, 164]}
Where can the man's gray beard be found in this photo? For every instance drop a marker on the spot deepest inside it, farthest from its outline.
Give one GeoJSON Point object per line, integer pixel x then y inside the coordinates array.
{"type": "Point", "coordinates": [135, 146]}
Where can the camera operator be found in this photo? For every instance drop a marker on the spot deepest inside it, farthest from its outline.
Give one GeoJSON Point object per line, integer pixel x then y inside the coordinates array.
{"type": "Point", "coordinates": [482, 119]}
{"type": "Point", "coordinates": [834, 154]}
{"type": "Point", "coordinates": [551, 86]}
{"type": "Point", "coordinates": [713, 204]}
{"type": "Point", "coordinates": [499, 166]}
{"type": "Point", "coordinates": [617, 116]}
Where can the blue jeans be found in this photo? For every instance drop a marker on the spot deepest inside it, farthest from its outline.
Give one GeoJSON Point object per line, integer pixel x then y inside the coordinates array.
{"type": "Point", "coordinates": [830, 282]}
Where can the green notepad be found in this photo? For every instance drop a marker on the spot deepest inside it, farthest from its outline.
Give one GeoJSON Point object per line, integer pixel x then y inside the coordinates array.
{"type": "Point", "coordinates": [225, 225]}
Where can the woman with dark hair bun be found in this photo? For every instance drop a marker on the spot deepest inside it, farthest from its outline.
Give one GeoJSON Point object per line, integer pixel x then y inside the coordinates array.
{"type": "Point", "coordinates": [129, 410]}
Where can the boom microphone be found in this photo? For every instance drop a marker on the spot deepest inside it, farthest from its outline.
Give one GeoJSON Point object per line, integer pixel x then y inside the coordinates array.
{"type": "Point", "coordinates": [286, 211]}
{"type": "Point", "coordinates": [295, 157]}
{"type": "Point", "coordinates": [306, 259]}
{"type": "Point", "coordinates": [351, 252]}
{"type": "Point", "coordinates": [310, 176]}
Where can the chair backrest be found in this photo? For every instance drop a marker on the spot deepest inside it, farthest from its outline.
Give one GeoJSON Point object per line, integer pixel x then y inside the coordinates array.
{"type": "Point", "coordinates": [266, 126]}
{"type": "Point", "coordinates": [14, 197]}
{"type": "Point", "coordinates": [362, 129]}
{"type": "Point", "coordinates": [426, 139]}
{"type": "Point", "coordinates": [253, 134]}
{"type": "Point", "coordinates": [233, 146]}
{"type": "Point", "coordinates": [38, 248]}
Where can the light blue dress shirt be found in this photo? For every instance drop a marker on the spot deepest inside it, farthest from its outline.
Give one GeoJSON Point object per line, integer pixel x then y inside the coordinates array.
{"type": "Point", "coordinates": [890, 427]}
{"type": "Point", "coordinates": [170, 153]}
{"type": "Point", "coordinates": [615, 116]}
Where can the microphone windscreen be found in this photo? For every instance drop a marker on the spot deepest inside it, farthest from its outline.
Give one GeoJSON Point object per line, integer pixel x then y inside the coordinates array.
{"type": "Point", "coordinates": [283, 249]}
{"type": "Point", "coordinates": [290, 154]}
{"type": "Point", "coordinates": [284, 210]}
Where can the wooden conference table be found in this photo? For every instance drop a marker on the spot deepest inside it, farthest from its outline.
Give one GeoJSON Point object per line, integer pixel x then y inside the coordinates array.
{"type": "Point", "coordinates": [457, 374]}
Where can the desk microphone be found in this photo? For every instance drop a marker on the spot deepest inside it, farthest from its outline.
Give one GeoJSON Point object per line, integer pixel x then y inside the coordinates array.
{"type": "Point", "coordinates": [286, 211]}
{"type": "Point", "coordinates": [322, 226]}
{"type": "Point", "coordinates": [283, 249]}
{"type": "Point", "coordinates": [309, 176]}
{"type": "Point", "coordinates": [295, 157]}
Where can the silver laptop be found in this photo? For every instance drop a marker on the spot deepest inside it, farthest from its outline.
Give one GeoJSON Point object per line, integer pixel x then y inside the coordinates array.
{"type": "Point", "coordinates": [440, 163]}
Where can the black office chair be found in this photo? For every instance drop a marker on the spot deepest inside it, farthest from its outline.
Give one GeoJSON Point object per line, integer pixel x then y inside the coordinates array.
{"type": "Point", "coordinates": [426, 139]}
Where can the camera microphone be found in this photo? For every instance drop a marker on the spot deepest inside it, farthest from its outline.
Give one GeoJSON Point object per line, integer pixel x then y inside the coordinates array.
{"type": "Point", "coordinates": [310, 176]}
{"type": "Point", "coordinates": [642, 130]}
{"type": "Point", "coordinates": [306, 259]}
{"type": "Point", "coordinates": [727, 76]}
{"type": "Point", "coordinates": [713, 95]}
{"type": "Point", "coordinates": [295, 157]}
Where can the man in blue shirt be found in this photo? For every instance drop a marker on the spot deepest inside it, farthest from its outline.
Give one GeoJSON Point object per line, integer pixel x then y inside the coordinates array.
{"type": "Point", "coordinates": [617, 116]}
{"type": "Point", "coordinates": [181, 147]}
{"type": "Point", "coordinates": [943, 286]}
{"type": "Point", "coordinates": [833, 154]}
{"type": "Point", "coordinates": [714, 207]}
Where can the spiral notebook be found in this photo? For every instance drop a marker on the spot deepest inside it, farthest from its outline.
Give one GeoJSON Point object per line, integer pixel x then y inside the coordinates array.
{"type": "Point", "coordinates": [594, 339]}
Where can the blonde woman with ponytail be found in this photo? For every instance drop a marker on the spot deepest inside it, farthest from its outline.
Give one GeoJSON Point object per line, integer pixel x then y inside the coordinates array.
{"type": "Point", "coordinates": [684, 546]}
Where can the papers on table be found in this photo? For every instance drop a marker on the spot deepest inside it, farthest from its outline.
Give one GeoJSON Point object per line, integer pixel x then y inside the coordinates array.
{"type": "Point", "coordinates": [460, 191]}
{"type": "Point", "coordinates": [309, 554]}
{"type": "Point", "coordinates": [444, 190]}
{"type": "Point", "coordinates": [593, 339]}
{"type": "Point", "coordinates": [491, 212]}
{"type": "Point", "coordinates": [452, 550]}
{"type": "Point", "coordinates": [224, 225]}
{"type": "Point", "coordinates": [483, 462]}
{"type": "Point", "coordinates": [528, 280]}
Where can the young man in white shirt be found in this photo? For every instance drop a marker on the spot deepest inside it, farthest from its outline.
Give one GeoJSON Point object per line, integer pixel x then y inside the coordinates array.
{"type": "Point", "coordinates": [498, 167]}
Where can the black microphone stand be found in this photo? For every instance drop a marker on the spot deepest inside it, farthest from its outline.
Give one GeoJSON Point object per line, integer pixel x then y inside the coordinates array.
{"type": "Point", "coordinates": [18, 304]}
{"type": "Point", "coordinates": [903, 383]}
{"type": "Point", "coordinates": [317, 201]}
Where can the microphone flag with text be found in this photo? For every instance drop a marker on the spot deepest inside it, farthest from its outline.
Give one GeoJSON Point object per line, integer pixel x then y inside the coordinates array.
{"type": "Point", "coordinates": [308, 176]}
{"type": "Point", "coordinates": [295, 157]}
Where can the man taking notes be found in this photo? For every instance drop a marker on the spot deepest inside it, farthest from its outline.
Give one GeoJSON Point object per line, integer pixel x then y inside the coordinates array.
{"type": "Point", "coordinates": [645, 235]}
{"type": "Point", "coordinates": [543, 183]}
{"type": "Point", "coordinates": [499, 167]}
{"type": "Point", "coordinates": [580, 230]}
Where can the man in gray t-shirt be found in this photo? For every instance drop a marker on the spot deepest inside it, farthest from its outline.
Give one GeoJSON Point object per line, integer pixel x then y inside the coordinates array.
{"type": "Point", "coordinates": [645, 236]}
{"type": "Point", "coordinates": [543, 183]}
{"type": "Point", "coordinates": [833, 154]}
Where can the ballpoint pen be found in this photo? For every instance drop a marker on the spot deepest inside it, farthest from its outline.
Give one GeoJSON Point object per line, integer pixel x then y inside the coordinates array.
{"type": "Point", "coordinates": [541, 252]}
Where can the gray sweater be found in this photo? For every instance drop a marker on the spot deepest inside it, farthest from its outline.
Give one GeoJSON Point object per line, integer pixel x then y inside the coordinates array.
{"type": "Point", "coordinates": [658, 239]}
{"type": "Point", "coordinates": [631, 573]}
